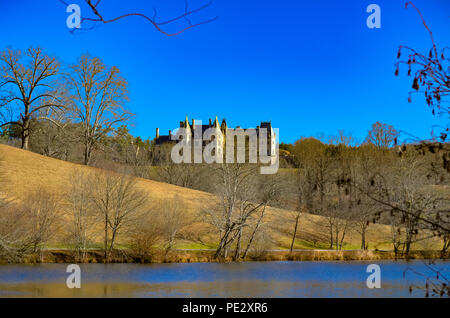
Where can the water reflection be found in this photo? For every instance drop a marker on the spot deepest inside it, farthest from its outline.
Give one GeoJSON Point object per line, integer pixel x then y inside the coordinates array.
{"type": "Point", "coordinates": [253, 279]}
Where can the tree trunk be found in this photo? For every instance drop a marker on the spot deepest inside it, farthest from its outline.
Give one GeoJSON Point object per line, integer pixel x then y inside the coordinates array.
{"type": "Point", "coordinates": [84, 244]}
{"type": "Point", "coordinates": [446, 245]}
{"type": "Point", "coordinates": [407, 247]}
{"type": "Point", "coordinates": [336, 241]}
{"type": "Point", "coordinates": [331, 236]}
{"type": "Point", "coordinates": [363, 238]}
{"type": "Point", "coordinates": [344, 231]}
{"type": "Point", "coordinates": [25, 133]}
{"type": "Point", "coordinates": [408, 241]}
{"type": "Point", "coordinates": [342, 240]}
{"type": "Point", "coordinates": [113, 238]}
{"type": "Point", "coordinates": [237, 252]}
{"type": "Point", "coordinates": [25, 139]}
{"type": "Point", "coordinates": [221, 249]}
{"type": "Point", "coordinates": [253, 234]}
{"type": "Point", "coordinates": [106, 240]}
{"type": "Point", "coordinates": [294, 236]}
{"type": "Point", "coordinates": [169, 245]}
{"type": "Point", "coordinates": [87, 154]}
{"type": "Point", "coordinates": [225, 251]}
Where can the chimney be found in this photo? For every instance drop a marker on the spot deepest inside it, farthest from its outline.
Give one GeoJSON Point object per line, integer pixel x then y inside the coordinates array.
{"type": "Point", "coordinates": [157, 133]}
{"type": "Point", "coordinates": [193, 123]}
{"type": "Point", "coordinates": [210, 122]}
{"type": "Point", "coordinates": [170, 134]}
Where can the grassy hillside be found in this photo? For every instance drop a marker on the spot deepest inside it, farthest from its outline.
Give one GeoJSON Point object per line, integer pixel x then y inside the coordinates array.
{"type": "Point", "coordinates": [25, 171]}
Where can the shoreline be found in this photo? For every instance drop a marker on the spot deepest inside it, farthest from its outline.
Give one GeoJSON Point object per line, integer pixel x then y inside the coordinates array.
{"type": "Point", "coordinates": [207, 256]}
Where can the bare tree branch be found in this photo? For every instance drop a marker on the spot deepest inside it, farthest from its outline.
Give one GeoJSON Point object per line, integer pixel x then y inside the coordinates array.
{"type": "Point", "coordinates": [158, 25]}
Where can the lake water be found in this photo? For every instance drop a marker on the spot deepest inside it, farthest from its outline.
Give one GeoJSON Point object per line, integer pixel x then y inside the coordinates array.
{"type": "Point", "coordinates": [250, 279]}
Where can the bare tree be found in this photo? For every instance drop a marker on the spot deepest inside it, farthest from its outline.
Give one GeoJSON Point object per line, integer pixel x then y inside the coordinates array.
{"type": "Point", "coordinates": [240, 200]}
{"type": "Point", "coordinates": [11, 226]}
{"type": "Point", "coordinates": [97, 93]}
{"type": "Point", "coordinates": [172, 217]}
{"type": "Point", "coordinates": [28, 79]}
{"type": "Point", "coordinates": [81, 212]}
{"type": "Point", "coordinates": [27, 226]}
{"type": "Point", "coordinates": [144, 236]}
{"type": "Point", "coordinates": [362, 214]}
{"type": "Point", "coordinates": [304, 188]}
{"type": "Point", "coordinates": [397, 239]}
{"type": "Point", "coordinates": [54, 137]}
{"type": "Point", "coordinates": [233, 179]}
{"type": "Point", "coordinates": [269, 192]}
{"type": "Point", "coordinates": [43, 210]}
{"type": "Point", "coordinates": [118, 202]}
{"type": "Point", "coordinates": [367, 160]}
{"type": "Point", "coordinates": [14, 228]}
{"type": "Point", "coordinates": [409, 192]}
{"type": "Point", "coordinates": [403, 192]}
{"type": "Point", "coordinates": [382, 135]}
{"type": "Point", "coordinates": [338, 218]}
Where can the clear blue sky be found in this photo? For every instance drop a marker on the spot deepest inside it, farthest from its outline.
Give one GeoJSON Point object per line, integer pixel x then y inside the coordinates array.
{"type": "Point", "coordinates": [310, 67]}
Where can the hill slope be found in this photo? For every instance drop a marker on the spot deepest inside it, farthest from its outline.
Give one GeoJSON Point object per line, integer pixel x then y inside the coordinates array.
{"type": "Point", "coordinates": [25, 171]}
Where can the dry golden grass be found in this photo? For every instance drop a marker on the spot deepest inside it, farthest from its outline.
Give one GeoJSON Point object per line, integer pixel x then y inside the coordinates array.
{"type": "Point", "coordinates": [25, 171]}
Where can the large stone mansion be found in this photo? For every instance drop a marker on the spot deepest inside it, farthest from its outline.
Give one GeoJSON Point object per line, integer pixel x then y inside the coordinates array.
{"type": "Point", "coordinates": [222, 130]}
